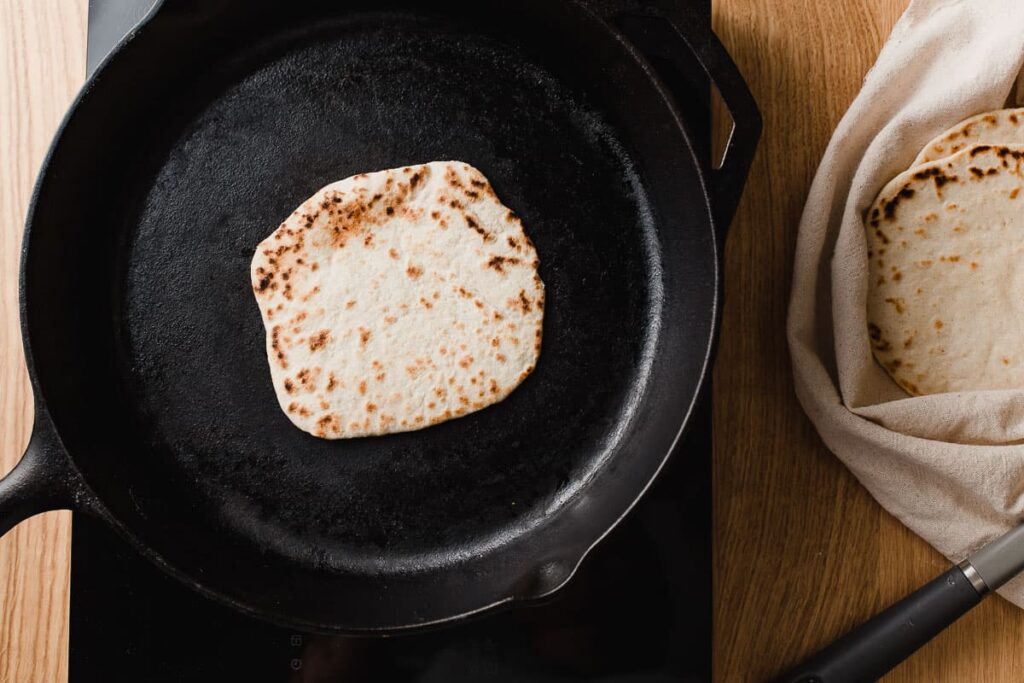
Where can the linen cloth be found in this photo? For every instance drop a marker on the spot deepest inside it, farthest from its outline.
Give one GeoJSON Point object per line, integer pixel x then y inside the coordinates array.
{"type": "Point", "coordinates": [949, 466]}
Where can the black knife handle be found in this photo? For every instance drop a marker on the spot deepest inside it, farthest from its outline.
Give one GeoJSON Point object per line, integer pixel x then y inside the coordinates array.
{"type": "Point", "coordinates": [878, 645]}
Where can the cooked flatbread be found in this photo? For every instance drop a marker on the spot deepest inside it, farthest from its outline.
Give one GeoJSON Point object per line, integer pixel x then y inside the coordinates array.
{"type": "Point", "coordinates": [397, 300]}
{"type": "Point", "coordinates": [946, 251]}
{"type": "Point", "coordinates": [1002, 127]}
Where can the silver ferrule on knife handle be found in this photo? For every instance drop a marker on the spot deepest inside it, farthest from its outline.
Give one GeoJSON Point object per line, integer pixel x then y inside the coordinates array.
{"type": "Point", "coordinates": [999, 561]}
{"type": "Point", "coordinates": [972, 575]}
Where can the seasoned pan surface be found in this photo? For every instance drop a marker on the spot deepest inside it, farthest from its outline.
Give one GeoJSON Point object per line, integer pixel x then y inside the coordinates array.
{"type": "Point", "coordinates": [147, 349]}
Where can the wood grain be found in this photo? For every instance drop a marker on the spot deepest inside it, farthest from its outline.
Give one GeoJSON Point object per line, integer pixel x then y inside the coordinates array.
{"type": "Point", "coordinates": [802, 552]}
{"type": "Point", "coordinates": [42, 65]}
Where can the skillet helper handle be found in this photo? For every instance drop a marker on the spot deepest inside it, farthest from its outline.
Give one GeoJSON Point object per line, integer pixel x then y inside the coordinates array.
{"type": "Point", "coordinates": [658, 38]}
{"type": "Point", "coordinates": [879, 644]}
{"type": "Point", "coordinates": [42, 480]}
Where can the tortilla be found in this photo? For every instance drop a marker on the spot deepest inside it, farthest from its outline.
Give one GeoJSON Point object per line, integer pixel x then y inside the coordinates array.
{"type": "Point", "coordinates": [397, 300]}
{"type": "Point", "coordinates": [1002, 127]}
{"type": "Point", "coordinates": [946, 253]}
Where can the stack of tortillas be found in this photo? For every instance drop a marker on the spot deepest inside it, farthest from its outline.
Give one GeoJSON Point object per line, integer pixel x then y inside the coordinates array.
{"type": "Point", "coordinates": [944, 452]}
{"type": "Point", "coordinates": [946, 250]}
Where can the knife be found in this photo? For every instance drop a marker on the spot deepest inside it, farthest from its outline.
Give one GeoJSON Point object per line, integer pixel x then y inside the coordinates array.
{"type": "Point", "coordinates": [869, 651]}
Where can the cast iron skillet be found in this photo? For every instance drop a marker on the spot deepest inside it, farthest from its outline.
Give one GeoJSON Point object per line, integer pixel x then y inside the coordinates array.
{"type": "Point", "coordinates": [208, 125]}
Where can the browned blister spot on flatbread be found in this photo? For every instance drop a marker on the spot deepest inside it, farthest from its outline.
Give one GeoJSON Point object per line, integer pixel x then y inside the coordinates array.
{"type": "Point", "coordinates": [521, 302]}
{"type": "Point", "coordinates": [897, 304]}
{"type": "Point", "coordinates": [319, 340]}
{"type": "Point", "coordinates": [500, 263]}
{"type": "Point", "coordinates": [474, 225]}
{"type": "Point", "coordinates": [328, 424]}
{"type": "Point", "coordinates": [307, 378]}
{"type": "Point", "coordinates": [275, 336]}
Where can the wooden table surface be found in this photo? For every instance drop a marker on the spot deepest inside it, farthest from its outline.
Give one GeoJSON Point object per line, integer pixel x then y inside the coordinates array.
{"type": "Point", "coordinates": [802, 552]}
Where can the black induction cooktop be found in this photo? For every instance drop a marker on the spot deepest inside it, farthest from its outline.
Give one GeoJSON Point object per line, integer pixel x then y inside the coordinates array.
{"type": "Point", "coordinates": [638, 610]}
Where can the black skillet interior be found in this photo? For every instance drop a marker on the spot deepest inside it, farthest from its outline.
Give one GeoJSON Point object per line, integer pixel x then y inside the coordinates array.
{"type": "Point", "coordinates": [148, 347]}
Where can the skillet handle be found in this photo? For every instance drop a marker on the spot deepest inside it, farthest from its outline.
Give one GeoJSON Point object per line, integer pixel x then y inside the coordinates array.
{"type": "Point", "coordinates": [658, 39]}
{"type": "Point", "coordinates": [43, 480]}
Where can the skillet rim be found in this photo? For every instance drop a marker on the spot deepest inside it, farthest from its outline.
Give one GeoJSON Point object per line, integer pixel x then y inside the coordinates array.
{"type": "Point", "coordinates": [89, 501]}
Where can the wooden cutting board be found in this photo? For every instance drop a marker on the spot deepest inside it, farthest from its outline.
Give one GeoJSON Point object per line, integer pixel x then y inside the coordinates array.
{"type": "Point", "coordinates": [802, 552]}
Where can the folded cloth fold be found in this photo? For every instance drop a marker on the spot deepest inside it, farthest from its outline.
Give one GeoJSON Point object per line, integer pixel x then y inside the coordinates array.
{"type": "Point", "coordinates": [949, 466]}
